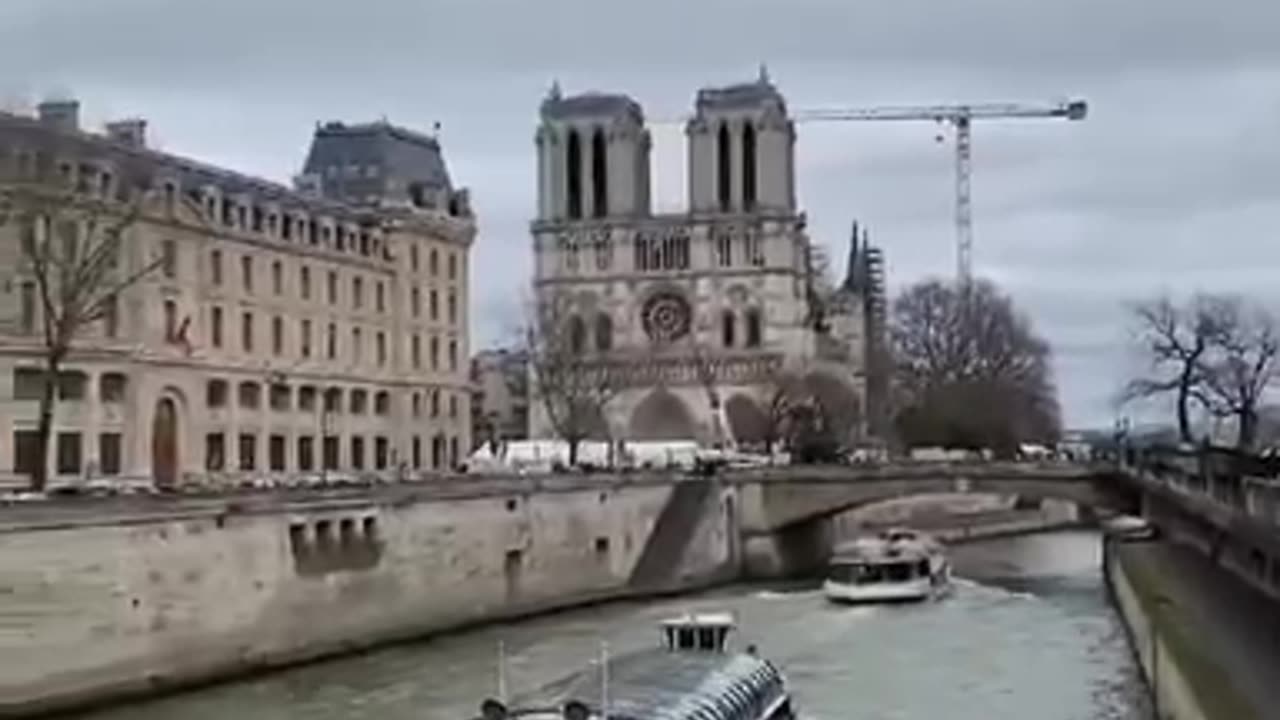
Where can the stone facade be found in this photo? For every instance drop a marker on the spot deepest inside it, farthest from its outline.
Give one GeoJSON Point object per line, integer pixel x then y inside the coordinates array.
{"type": "Point", "coordinates": [701, 312]}
{"type": "Point", "coordinates": [134, 602]}
{"type": "Point", "coordinates": [287, 331]}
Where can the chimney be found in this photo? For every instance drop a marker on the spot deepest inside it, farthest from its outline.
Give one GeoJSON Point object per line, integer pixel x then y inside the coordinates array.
{"type": "Point", "coordinates": [61, 115]}
{"type": "Point", "coordinates": [131, 132]}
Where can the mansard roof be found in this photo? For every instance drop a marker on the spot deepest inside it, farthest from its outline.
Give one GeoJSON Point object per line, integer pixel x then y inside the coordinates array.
{"type": "Point", "coordinates": [383, 156]}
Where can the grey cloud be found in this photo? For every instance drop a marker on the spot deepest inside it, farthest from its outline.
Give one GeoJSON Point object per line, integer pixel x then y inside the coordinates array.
{"type": "Point", "coordinates": [1173, 182]}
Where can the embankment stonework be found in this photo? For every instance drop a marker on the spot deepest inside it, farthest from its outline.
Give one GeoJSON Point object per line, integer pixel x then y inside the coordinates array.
{"type": "Point", "coordinates": [95, 609]}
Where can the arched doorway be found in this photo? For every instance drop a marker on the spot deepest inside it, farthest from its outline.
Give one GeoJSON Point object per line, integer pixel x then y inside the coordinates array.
{"type": "Point", "coordinates": [662, 416]}
{"type": "Point", "coordinates": [164, 444]}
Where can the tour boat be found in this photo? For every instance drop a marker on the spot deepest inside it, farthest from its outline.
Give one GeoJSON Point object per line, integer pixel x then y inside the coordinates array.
{"type": "Point", "coordinates": [692, 675]}
{"type": "Point", "coordinates": [895, 565]}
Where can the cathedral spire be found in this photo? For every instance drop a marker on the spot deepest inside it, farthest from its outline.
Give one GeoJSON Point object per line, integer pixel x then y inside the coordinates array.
{"type": "Point", "coordinates": [554, 93]}
{"type": "Point", "coordinates": [764, 74]}
{"type": "Point", "coordinates": [851, 273]}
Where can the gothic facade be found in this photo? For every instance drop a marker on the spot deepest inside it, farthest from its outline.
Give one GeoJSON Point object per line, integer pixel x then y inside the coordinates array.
{"type": "Point", "coordinates": [701, 315]}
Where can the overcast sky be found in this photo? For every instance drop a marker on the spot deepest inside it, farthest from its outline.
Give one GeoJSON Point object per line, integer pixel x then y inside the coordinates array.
{"type": "Point", "coordinates": [1173, 182]}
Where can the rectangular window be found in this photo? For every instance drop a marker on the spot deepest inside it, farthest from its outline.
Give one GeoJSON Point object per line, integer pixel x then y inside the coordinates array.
{"type": "Point", "coordinates": [26, 455]}
{"type": "Point", "coordinates": [275, 453]}
{"type": "Point", "coordinates": [215, 267]}
{"type": "Point", "coordinates": [332, 341]}
{"type": "Point", "coordinates": [417, 452]}
{"type": "Point", "coordinates": [246, 273]}
{"type": "Point", "coordinates": [68, 453]}
{"type": "Point", "coordinates": [215, 326]}
{"type": "Point", "coordinates": [330, 453]}
{"type": "Point", "coordinates": [305, 342]}
{"type": "Point", "coordinates": [453, 308]}
{"type": "Point", "coordinates": [356, 345]}
{"type": "Point", "coordinates": [304, 282]}
{"type": "Point", "coordinates": [277, 277]}
{"type": "Point", "coordinates": [109, 455]}
{"type": "Point", "coordinates": [415, 351]}
{"type": "Point", "coordinates": [381, 348]}
{"type": "Point", "coordinates": [357, 292]}
{"type": "Point", "coordinates": [170, 321]}
{"type": "Point", "coordinates": [248, 451]}
{"type": "Point", "coordinates": [380, 451]}
{"type": "Point", "coordinates": [111, 316]}
{"type": "Point", "coordinates": [246, 331]}
{"type": "Point", "coordinates": [277, 335]}
{"type": "Point", "coordinates": [333, 287]}
{"type": "Point", "coordinates": [28, 383]}
{"type": "Point", "coordinates": [453, 356]}
{"type": "Point", "coordinates": [415, 302]}
{"type": "Point", "coordinates": [357, 452]}
{"type": "Point", "coordinates": [280, 397]}
{"type": "Point", "coordinates": [169, 258]}
{"type": "Point", "coordinates": [380, 297]}
{"type": "Point", "coordinates": [413, 257]}
{"type": "Point", "coordinates": [28, 302]}
{"type": "Point", "coordinates": [434, 303]}
{"type": "Point", "coordinates": [306, 453]}
{"type": "Point", "coordinates": [453, 266]}
{"type": "Point", "coordinates": [215, 452]}
{"type": "Point", "coordinates": [306, 398]}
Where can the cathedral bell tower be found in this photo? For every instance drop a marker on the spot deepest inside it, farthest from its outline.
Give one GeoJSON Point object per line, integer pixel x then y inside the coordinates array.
{"type": "Point", "coordinates": [741, 150]}
{"type": "Point", "coordinates": [593, 157]}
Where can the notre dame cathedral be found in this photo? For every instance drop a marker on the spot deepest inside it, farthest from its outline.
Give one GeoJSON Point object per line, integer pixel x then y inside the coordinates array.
{"type": "Point", "coordinates": [706, 312]}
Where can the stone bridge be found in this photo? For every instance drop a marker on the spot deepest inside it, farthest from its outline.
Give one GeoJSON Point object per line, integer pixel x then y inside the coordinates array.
{"type": "Point", "coordinates": [785, 511]}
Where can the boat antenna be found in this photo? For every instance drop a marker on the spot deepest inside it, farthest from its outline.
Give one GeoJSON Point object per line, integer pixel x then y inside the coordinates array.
{"type": "Point", "coordinates": [502, 671]}
{"type": "Point", "coordinates": [604, 680]}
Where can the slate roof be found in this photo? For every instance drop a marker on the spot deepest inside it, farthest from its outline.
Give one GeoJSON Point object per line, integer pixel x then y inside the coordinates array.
{"type": "Point", "coordinates": [590, 104]}
{"type": "Point", "coordinates": [739, 96]}
{"type": "Point", "coordinates": [380, 153]}
{"type": "Point", "coordinates": [30, 132]}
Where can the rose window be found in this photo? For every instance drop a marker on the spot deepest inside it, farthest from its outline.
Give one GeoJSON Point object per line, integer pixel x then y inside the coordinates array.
{"type": "Point", "coordinates": [666, 317]}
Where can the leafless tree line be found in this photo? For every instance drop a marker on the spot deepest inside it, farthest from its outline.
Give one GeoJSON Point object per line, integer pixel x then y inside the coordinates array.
{"type": "Point", "coordinates": [969, 371]}
{"type": "Point", "coordinates": [1212, 352]}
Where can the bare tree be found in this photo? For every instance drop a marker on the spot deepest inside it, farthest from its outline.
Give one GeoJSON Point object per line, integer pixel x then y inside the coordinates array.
{"type": "Point", "coordinates": [969, 369]}
{"type": "Point", "coordinates": [1175, 340]}
{"type": "Point", "coordinates": [573, 387]}
{"type": "Point", "coordinates": [1239, 364]}
{"type": "Point", "coordinates": [73, 238]}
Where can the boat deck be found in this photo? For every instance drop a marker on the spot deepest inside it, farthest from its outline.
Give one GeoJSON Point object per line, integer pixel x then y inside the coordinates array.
{"type": "Point", "coordinates": [651, 685]}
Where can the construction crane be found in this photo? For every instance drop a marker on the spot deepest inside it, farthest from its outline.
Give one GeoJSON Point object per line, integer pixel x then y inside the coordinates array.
{"type": "Point", "coordinates": [960, 117]}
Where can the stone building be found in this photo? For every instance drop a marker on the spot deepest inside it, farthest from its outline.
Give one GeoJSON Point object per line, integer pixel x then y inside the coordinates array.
{"type": "Point", "coordinates": [702, 313]}
{"type": "Point", "coordinates": [286, 330]}
{"type": "Point", "coordinates": [500, 396]}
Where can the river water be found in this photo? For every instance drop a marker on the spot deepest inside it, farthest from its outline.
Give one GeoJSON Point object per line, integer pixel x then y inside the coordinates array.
{"type": "Point", "coordinates": [1028, 635]}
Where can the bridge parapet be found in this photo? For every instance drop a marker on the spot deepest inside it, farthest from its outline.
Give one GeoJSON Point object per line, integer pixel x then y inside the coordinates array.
{"type": "Point", "coordinates": [1230, 483]}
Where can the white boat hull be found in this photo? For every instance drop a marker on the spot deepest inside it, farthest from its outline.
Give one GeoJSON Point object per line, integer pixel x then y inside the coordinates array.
{"type": "Point", "coordinates": [910, 591]}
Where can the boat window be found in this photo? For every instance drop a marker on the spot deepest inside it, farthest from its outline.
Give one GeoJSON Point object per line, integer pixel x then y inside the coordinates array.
{"type": "Point", "coordinates": [670, 637]}
{"type": "Point", "coordinates": [922, 567]}
{"type": "Point", "coordinates": [707, 638]}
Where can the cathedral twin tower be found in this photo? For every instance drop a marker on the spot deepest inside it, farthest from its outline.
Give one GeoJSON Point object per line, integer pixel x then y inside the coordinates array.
{"type": "Point", "coordinates": [594, 154]}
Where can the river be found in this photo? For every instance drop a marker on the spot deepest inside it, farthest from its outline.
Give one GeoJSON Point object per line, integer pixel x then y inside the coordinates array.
{"type": "Point", "coordinates": [1027, 635]}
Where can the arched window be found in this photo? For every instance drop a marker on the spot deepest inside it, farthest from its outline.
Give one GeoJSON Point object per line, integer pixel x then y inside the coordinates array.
{"type": "Point", "coordinates": [599, 174]}
{"type": "Point", "coordinates": [748, 166]}
{"type": "Point", "coordinates": [577, 335]}
{"type": "Point", "coordinates": [724, 174]}
{"type": "Point", "coordinates": [573, 170]}
{"type": "Point", "coordinates": [754, 334]}
{"type": "Point", "coordinates": [728, 328]}
{"type": "Point", "coordinates": [604, 332]}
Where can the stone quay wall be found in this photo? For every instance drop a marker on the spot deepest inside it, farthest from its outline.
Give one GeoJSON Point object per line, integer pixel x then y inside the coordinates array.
{"type": "Point", "coordinates": [103, 602]}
